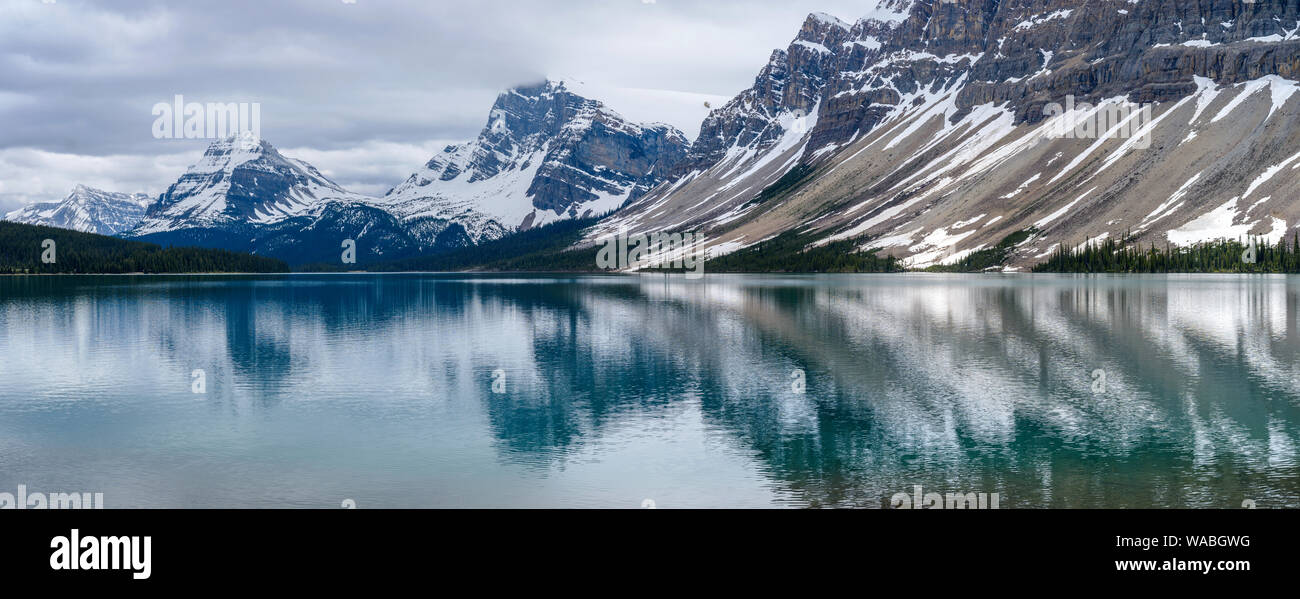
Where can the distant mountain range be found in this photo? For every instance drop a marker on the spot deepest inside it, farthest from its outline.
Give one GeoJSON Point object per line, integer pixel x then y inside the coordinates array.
{"type": "Point", "coordinates": [88, 210]}
{"type": "Point", "coordinates": [546, 154]}
{"type": "Point", "coordinates": [928, 129]}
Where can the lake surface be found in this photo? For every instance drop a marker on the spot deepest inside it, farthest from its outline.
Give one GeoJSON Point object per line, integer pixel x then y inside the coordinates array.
{"type": "Point", "coordinates": [608, 391]}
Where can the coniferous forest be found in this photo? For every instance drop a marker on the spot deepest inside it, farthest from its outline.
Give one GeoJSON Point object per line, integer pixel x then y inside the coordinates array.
{"type": "Point", "coordinates": [1223, 256]}
{"type": "Point", "coordinates": [23, 246]}
{"type": "Point", "coordinates": [543, 249]}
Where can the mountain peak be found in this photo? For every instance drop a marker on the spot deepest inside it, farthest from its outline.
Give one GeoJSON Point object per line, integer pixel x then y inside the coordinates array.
{"type": "Point", "coordinates": [86, 195]}
{"type": "Point", "coordinates": [544, 89]}
{"type": "Point", "coordinates": [242, 180]}
{"type": "Point", "coordinates": [88, 210]}
{"type": "Point", "coordinates": [822, 19]}
{"type": "Point", "coordinates": [232, 152]}
{"type": "Point", "coordinates": [245, 143]}
{"type": "Point", "coordinates": [547, 152]}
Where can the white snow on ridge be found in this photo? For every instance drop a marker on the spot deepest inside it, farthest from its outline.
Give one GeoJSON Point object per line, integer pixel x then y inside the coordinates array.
{"type": "Point", "coordinates": [962, 224]}
{"type": "Point", "coordinates": [1218, 224]}
{"type": "Point", "coordinates": [1170, 205]}
{"type": "Point", "coordinates": [796, 128]}
{"type": "Point", "coordinates": [868, 42]}
{"type": "Point", "coordinates": [1285, 36]}
{"type": "Point", "coordinates": [88, 210]}
{"type": "Point", "coordinates": [1136, 136]}
{"type": "Point", "coordinates": [1047, 60]}
{"type": "Point", "coordinates": [1094, 240]}
{"type": "Point", "coordinates": [1268, 174]}
{"type": "Point", "coordinates": [1206, 92]}
{"type": "Point", "coordinates": [827, 19]}
{"type": "Point", "coordinates": [502, 196]}
{"type": "Point", "coordinates": [1042, 222]}
{"type": "Point", "coordinates": [884, 14]}
{"type": "Point", "coordinates": [814, 46]}
{"type": "Point", "coordinates": [937, 245]}
{"type": "Point", "coordinates": [1281, 90]}
{"type": "Point", "coordinates": [1039, 20]}
{"type": "Point", "coordinates": [1023, 186]}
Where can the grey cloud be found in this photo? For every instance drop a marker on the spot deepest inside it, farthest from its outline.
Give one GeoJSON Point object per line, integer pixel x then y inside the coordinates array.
{"type": "Point", "coordinates": [79, 78]}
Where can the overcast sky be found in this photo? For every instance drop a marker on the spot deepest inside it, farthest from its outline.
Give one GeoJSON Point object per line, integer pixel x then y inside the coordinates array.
{"type": "Point", "coordinates": [366, 91]}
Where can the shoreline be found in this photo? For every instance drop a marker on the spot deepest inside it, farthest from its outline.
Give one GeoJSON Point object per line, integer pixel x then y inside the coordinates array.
{"type": "Point", "coordinates": [625, 274]}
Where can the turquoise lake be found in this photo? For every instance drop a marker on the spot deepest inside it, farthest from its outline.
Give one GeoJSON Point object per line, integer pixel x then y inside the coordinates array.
{"type": "Point", "coordinates": [540, 391]}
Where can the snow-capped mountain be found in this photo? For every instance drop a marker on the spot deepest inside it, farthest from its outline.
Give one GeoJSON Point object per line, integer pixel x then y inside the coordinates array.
{"type": "Point", "coordinates": [242, 183]}
{"type": "Point", "coordinates": [88, 210]}
{"type": "Point", "coordinates": [545, 154]}
{"type": "Point", "coordinates": [927, 129]}
{"type": "Point", "coordinates": [244, 195]}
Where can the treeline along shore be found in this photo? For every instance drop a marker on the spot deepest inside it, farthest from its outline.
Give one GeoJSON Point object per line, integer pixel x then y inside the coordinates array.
{"type": "Point", "coordinates": [33, 249]}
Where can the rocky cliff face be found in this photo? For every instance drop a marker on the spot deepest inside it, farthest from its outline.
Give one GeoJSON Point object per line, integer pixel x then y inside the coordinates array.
{"type": "Point", "coordinates": [922, 129]}
{"type": "Point", "coordinates": [545, 154]}
{"type": "Point", "coordinates": [88, 210]}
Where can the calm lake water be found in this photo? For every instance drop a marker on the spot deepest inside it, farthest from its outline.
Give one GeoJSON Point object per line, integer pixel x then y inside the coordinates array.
{"type": "Point", "coordinates": [1052, 391]}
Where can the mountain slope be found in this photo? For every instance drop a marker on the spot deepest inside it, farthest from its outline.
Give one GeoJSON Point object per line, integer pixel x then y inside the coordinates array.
{"type": "Point", "coordinates": [545, 154]}
{"type": "Point", "coordinates": [88, 210]}
{"type": "Point", "coordinates": [923, 132]}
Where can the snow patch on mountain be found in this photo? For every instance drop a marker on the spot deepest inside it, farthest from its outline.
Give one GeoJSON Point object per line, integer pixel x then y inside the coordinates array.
{"type": "Point", "coordinates": [1220, 223]}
